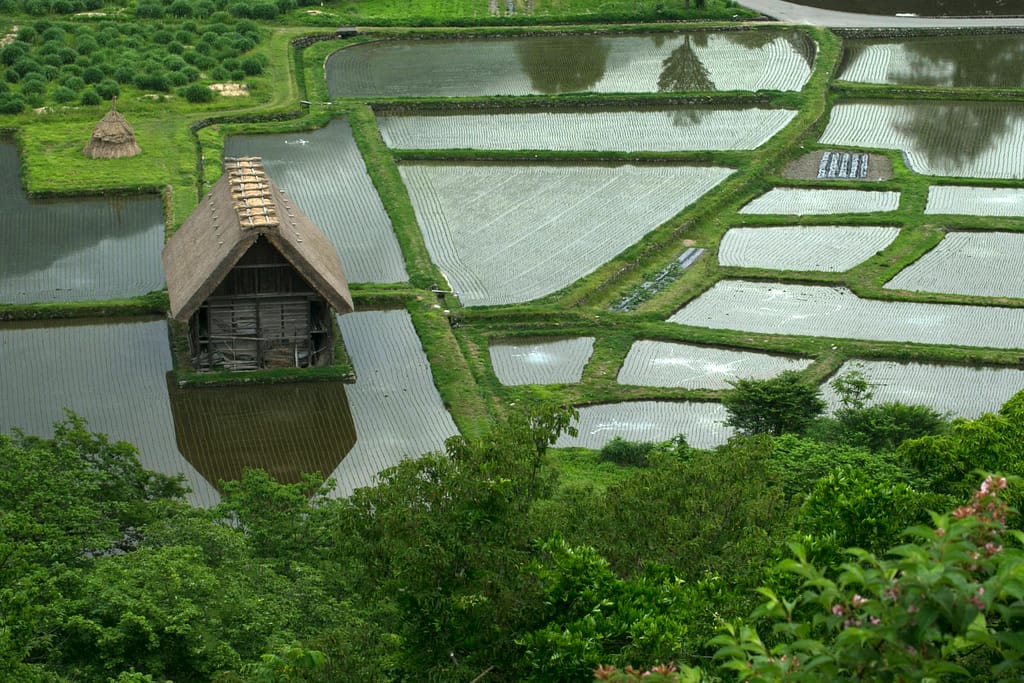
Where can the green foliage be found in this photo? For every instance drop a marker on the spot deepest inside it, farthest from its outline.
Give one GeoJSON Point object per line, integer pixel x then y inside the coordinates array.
{"type": "Point", "coordinates": [945, 605]}
{"type": "Point", "coordinates": [850, 508]}
{"type": "Point", "coordinates": [884, 426]}
{"type": "Point", "coordinates": [780, 405]}
{"type": "Point", "coordinates": [950, 462]}
{"type": "Point", "coordinates": [799, 462]}
{"type": "Point", "coordinates": [622, 452]}
{"type": "Point", "coordinates": [718, 512]}
{"type": "Point", "coordinates": [197, 93]}
{"type": "Point", "coordinates": [592, 617]}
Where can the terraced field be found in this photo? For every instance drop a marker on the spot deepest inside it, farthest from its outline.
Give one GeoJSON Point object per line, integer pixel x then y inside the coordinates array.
{"type": "Point", "coordinates": [662, 62]}
{"type": "Point", "coordinates": [395, 406]}
{"type": "Point", "coordinates": [951, 61]}
{"type": "Point", "coordinates": [975, 201]}
{"type": "Point", "coordinates": [957, 139]}
{"type": "Point", "coordinates": [795, 201]}
{"type": "Point", "coordinates": [835, 312]}
{"type": "Point", "coordinates": [974, 263]}
{"type": "Point", "coordinates": [75, 249]}
{"type": "Point", "coordinates": [667, 364]}
{"type": "Point", "coordinates": [663, 130]}
{"type": "Point", "coordinates": [558, 361]}
{"type": "Point", "coordinates": [819, 248]}
{"type": "Point", "coordinates": [505, 234]}
{"type": "Point", "coordinates": [701, 423]}
{"type": "Point", "coordinates": [113, 374]}
{"type": "Point", "coordinates": [958, 390]}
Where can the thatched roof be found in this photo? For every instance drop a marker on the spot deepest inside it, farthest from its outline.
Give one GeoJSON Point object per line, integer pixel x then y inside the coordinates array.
{"type": "Point", "coordinates": [243, 205]}
{"type": "Point", "coordinates": [112, 137]}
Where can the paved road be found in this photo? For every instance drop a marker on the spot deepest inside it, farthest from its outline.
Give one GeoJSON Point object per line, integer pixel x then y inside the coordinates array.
{"type": "Point", "coordinates": [798, 14]}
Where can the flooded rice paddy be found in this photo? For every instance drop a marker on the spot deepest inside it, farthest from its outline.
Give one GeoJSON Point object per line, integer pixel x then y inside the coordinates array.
{"type": "Point", "coordinates": [663, 130]}
{"type": "Point", "coordinates": [975, 201]}
{"type": "Point", "coordinates": [826, 248]}
{"type": "Point", "coordinates": [396, 408]}
{"type": "Point", "coordinates": [511, 233]}
{"type": "Point", "coordinates": [797, 201]}
{"type": "Point", "coordinates": [835, 312]}
{"type": "Point", "coordinates": [559, 361]}
{"type": "Point", "coordinates": [111, 374]}
{"type": "Point", "coordinates": [660, 62]}
{"type": "Point", "coordinates": [949, 61]}
{"type": "Point", "coordinates": [959, 139]}
{"type": "Point", "coordinates": [324, 173]}
{"type": "Point", "coordinates": [116, 376]}
{"type": "Point", "coordinates": [686, 366]}
{"type": "Point", "coordinates": [957, 390]}
{"type": "Point", "coordinates": [972, 263]}
{"type": "Point", "coordinates": [701, 423]}
{"type": "Point", "coordinates": [75, 249]}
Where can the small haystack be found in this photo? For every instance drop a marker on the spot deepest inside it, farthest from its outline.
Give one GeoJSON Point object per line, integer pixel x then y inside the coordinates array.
{"type": "Point", "coordinates": [112, 138]}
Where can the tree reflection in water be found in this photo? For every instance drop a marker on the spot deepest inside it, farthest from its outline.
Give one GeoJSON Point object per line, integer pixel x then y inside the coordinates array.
{"type": "Point", "coordinates": [563, 64]}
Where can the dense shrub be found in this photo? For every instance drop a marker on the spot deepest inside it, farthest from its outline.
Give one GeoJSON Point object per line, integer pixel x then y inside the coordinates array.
{"type": "Point", "coordinates": [92, 74]}
{"type": "Point", "coordinates": [196, 93]}
{"type": "Point", "coordinates": [11, 103]}
{"type": "Point", "coordinates": [622, 452]}
{"type": "Point", "coordinates": [108, 89]}
{"type": "Point", "coordinates": [180, 9]}
{"type": "Point", "coordinates": [254, 65]}
{"type": "Point", "coordinates": [149, 10]}
{"type": "Point", "coordinates": [90, 97]}
{"type": "Point", "coordinates": [63, 94]}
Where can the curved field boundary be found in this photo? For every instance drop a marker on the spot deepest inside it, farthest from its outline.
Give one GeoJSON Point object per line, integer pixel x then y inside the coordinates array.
{"type": "Point", "coordinates": [701, 423]}
{"type": "Point", "coordinates": [113, 375]}
{"type": "Point", "coordinates": [84, 249]}
{"type": "Point", "coordinates": [974, 263]}
{"type": "Point", "coordinates": [795, 201]}
{"type": "Point", "coordinates": [958, 139]}
{"type": "Point", "coordinates": [814, 248]}
{"type": "Point", "coordinates": [954, 389]}
{"type": "Point", "coordinates": [975, 201]}
{"type": "Point", "coordinates": [510, 233]}
{"type": "Point", "coordinates": [948, 61]}
{"type": "Point", "coordinates": [326, 175]}
{"type": "Point", "coordinates": [818, 311]}
{"type": "Point", "coordinates": [397, 410]}
{"type": "Point", "coordinates": [667, 130]}
{"type": "Point", "coordinates": [666, 364]}
{"type": "Point", "coordinates": [549, 362]}
{"type": "Point", "coordinates": [532, 65]}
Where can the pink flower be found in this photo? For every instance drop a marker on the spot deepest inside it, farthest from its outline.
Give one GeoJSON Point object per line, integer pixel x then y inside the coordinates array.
{"type": "Point", "coordinates": [858, 601]}
{"type": "Point", "coordinates": [838, 610]}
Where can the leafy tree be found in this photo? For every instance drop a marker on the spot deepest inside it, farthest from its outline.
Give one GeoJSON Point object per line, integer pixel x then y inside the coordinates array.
{"type": "Point", "coordinates": [783, 404]}
{"type": "Point", "coordinates": [799, 462]}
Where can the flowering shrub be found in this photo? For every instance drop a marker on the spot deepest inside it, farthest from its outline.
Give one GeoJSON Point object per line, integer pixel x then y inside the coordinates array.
{"type": "Point", "coordinates": [944, 605]}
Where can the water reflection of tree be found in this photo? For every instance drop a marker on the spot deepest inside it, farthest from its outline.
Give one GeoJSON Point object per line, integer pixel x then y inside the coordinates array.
{"type": "Point", "coordinates": [683, 70]}
{"type": "Point", "coordinates": [563, 64]}
{"type": "Point", "coordinates": [964, 62]}
{"type": "Point", "coordinates": [954, 135]}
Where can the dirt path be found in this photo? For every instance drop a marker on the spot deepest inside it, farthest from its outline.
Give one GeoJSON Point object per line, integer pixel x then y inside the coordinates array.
{"type": "Point", "coordinates": [798, 14]}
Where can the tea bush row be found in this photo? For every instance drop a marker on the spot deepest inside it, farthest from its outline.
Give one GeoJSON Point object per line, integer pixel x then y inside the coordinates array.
{"type": "Point", "coordinates": [158, 9]}
{"type": "Point", "coordinates": [59, 62]}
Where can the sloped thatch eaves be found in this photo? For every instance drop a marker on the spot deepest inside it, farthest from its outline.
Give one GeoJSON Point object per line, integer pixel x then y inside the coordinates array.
{"type": "Point", "coordinates": [112, 138]}
{"type": "Point", "coordinates": [240, 207]}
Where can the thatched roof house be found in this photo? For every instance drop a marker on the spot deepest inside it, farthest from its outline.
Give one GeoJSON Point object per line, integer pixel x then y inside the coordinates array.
{"type": "Point", "coordinates": [112, 138]}
{"type": "Point", "coordinates": [254, 277]}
